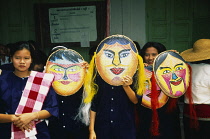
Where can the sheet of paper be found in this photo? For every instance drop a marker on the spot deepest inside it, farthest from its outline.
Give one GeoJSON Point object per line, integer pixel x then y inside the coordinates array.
{"type": "Point", "coordinates": [68, 24]}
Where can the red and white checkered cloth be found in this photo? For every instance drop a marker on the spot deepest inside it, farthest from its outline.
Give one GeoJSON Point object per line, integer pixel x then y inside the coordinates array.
{"type": "Point", "coordinates": [32, 99]}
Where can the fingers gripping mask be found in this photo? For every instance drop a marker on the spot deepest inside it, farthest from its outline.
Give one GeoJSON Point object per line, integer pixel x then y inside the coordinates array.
{"type": "Point", "coordinates": [116, 57]}
{"type": "Point", "coordinates": [66, 65]}
{"type": "Point", "coordinates": [172, 73]}
{"type": "Point", "coordinates": [146, 99]}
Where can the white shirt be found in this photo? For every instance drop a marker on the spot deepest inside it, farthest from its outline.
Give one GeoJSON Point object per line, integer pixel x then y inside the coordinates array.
{"type": "Point", "coordinates": [200, 83]}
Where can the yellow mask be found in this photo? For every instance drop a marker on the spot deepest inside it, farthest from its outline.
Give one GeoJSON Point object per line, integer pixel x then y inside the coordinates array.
{"type": "Point", "coordinates": [66, 65]}
{"type": "Point", "coordinates": [172, 74]}
{"type": "Point", "coordinates": [116, 57]}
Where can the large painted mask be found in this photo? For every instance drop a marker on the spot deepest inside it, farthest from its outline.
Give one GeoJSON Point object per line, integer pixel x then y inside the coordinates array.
{"type": "Point", "coordinates": [116, 57]}
{"type": "Point", "coordinates": [66, 65]}
{"type": "Point", "coordinates": [146, 99]}
{"type": "Point", "coordinates": [172, 73]}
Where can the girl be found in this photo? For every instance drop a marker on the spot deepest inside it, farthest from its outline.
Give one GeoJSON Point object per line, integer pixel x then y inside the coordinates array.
{"type": "Point", "coordinates": [111, 88]}
{"type": "Point", "coordinates": [168, 114]}
{"type": "Point", "coordinates": [25, 96]}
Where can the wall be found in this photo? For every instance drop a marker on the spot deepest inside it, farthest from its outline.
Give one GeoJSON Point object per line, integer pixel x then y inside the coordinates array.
{"type": "Point", "coordinates": [17, 20]}
{"type": "Point", "coordinates": [201, 20]}
{"type": "Point", "coordinates": [128, 18]}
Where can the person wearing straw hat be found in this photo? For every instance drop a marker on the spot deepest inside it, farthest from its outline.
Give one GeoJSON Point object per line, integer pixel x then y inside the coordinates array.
{"type": "Point", "coordinates": [197, 101]}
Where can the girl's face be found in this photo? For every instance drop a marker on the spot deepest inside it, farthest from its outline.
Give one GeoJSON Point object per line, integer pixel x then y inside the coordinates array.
{"type": "Point", "coordinates": [22, 60]}
{"type": "Point", "coordinates": [150, 55]}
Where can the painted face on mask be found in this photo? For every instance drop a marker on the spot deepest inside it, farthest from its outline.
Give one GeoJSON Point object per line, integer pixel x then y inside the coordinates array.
{"type": "Point", "coordinates": [66, 65]}
{"type": "Point", "coordinates": [146, 99]}
{"type": "Point", "coordinates": [172, 74]}
{"type": "Point", "coordinates": [115, 59]}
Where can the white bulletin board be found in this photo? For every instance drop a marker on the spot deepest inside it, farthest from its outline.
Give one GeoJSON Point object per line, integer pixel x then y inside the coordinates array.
{"type": "Point", "coordinates": [74, 24]}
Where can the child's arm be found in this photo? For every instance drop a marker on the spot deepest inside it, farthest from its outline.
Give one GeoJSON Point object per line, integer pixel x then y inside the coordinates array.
{"type": "Point", "coordinates": [23, 121]}
{"type": "Point", "coordinates": [7, 118]}
{"type": "Point", "coordinates": [91, 126]}
{"type": "Point", "coordinates": [127, 81]}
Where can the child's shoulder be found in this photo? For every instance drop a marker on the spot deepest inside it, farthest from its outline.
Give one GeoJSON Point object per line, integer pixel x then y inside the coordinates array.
{"type": "Point", "coordinates": [5, 75]}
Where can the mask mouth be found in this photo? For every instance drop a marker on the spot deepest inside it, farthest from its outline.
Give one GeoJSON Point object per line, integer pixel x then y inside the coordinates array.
{"type": "Point", "coordinates": [117, 71]}
{"type": "Point", "coordinates": [176, 82]}
{"type": "Point", "coordinates": [65, 82]}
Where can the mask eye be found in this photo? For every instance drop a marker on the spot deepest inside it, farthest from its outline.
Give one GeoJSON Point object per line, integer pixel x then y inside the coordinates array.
{"type": "Point", "coordinates": [124, 54]}
{"type": "Point", "coordinates": [73, 68]}
{"type": "Point", "coordinates": [179, 68]}
{"type": "Point", "coordinates": [108, 54]}
{"type": "Point", "coordinates": [166, 71]}
{"type": "Point", "coordinates": [58, 69]}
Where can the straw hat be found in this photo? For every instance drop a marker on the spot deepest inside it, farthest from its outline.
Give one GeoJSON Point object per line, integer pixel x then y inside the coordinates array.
{"type": "Point", "coordinates": [199, 52]}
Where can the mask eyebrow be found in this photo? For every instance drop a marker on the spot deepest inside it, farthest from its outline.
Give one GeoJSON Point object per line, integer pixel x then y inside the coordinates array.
{"type": "Point", "coordinates": [181, 64]}
{"type": "Point", "coordinates": [164, 68]}
{"type": "Point", "coordinates": [72, 66]}
{"type": "Point", "coordinates": [109, 51]}
{"type": "Point", "coordinates": [124, 50]}
{"type": "Point", "coordinates": [61, 67]}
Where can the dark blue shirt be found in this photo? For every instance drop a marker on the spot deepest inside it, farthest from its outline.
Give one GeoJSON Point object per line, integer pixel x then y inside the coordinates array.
{"type": "Point", "coordinates": [169, 123]}
{"type": "Point", "coordinates": [66, 126]}
{"type": "Point", "coordinates": [8, 67]}
{"type": "Point", "coordinates": [11, 87]}
{"type": "Point", "coordinates": [114, 112]}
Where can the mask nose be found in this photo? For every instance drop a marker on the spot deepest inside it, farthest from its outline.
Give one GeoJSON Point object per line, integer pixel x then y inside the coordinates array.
{"type": "Point", "coordinates": [116, 60]}
{"type": "Point", "coordinates": [174, 77]}
{"type": "Point", "coordinates": [65, 77]}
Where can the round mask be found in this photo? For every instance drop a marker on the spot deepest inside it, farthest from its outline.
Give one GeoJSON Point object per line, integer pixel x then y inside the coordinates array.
{"type": "Point", "coordinates": [66, 65]}
{"type": "Point", "coordinates": [116, 57]}
{"type": "Point", "coordinates": [146, 99]}
{"type": "Point", "coordinates": [172, 73]}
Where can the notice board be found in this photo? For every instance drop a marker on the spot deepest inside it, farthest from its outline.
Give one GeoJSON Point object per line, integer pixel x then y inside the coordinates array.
{"type": "Point", "coordinates": [75, 24]}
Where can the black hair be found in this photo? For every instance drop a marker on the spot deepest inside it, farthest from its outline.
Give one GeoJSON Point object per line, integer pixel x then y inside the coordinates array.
{"type": "Point", "coordinates": [40, 57]}
{"type": "Point", "coordinates": [137, 45]}
{"type": "Point", "coordinates": [159, 46]}
{"type": "Point", "coordinates": [20, 46]}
